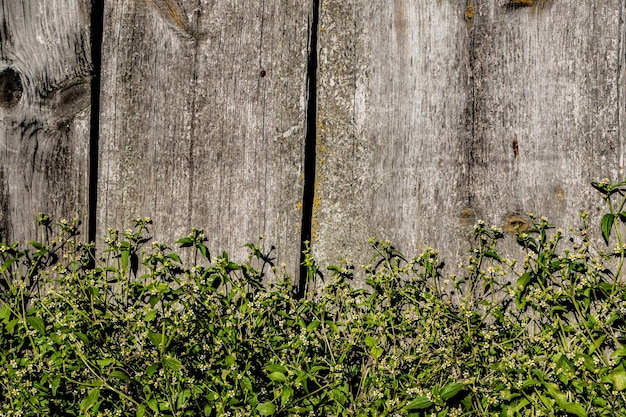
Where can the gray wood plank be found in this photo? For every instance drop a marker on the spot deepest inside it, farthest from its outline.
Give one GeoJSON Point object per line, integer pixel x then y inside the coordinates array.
{"type": "Point", "coordinates": [202, 123]}
{"type": "Point", "coordinates": [392, 128]}
{"type": "Point", "coordinates": [549, 110]}
{"type": "Point", "coordinates": [45, 75]}
{"type": "Point", "coordinates": [433, 115]}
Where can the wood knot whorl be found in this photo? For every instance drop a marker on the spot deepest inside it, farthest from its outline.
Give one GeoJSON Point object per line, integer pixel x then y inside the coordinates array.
{"type": "Point", "coordinates": [10, 88]}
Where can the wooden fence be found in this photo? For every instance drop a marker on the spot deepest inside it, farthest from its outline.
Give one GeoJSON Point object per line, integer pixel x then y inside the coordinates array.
{"type": "Point", "coordinates": [330, 120]}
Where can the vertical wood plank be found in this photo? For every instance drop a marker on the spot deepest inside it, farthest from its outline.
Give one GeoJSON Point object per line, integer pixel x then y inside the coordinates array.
{"type": "Point", "coordinates": [202, 124]}
{"type": "Point", "coordinates": [443, 113]}
{"type": "Point", "coordinates": [392, 128]}
{"type": "Point", "coordinates": [45, 74]}
{"type": "Point", "coordinates": [549, 109]}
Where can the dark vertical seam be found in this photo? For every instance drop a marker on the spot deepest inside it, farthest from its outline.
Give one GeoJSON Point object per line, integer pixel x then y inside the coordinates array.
{"type": "Point", "coordinates": [310, 143]}
{"type": "Point", "coordinates": [97, 29]}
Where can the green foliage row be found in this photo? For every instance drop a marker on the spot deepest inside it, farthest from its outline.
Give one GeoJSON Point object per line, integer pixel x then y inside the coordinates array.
{"type": "Point", "coordinates": [131, 330]}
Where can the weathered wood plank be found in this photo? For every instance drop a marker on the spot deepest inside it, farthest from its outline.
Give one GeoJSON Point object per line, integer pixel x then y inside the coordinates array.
{"type": "Point", "coordinates": [45, 75]}
{"type": "Point", "coordinates": [202, 123]}
{"type": "Point", "coordinates": [549, 109]}
{"type": "Point", "coordinates": [392, 127]}
{"type": "Point", "coordinates": [436, 114]}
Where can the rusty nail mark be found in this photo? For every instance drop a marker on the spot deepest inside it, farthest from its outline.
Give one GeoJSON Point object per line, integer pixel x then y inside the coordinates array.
{"type": "Point", "coordinates": [262, 73]}
{"type": "Point", "coordinates": [515, 146]}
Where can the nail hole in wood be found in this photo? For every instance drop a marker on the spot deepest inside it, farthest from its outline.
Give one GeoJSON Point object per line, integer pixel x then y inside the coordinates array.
{"type": "Point", "coordinates": [515, 147]}
{"type": "Point", "coordinates": [10, 88]}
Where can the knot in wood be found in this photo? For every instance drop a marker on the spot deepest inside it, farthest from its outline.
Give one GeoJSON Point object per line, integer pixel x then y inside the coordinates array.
{"type": "Point", "coordinates": [515, 223]}
{"type": "Point", "coordinates": [10, 88]}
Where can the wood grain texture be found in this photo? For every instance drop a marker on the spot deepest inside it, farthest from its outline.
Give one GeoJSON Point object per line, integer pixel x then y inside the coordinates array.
{"type": "Point", "coordinates": [433, 115]}
{"type": "Point", "coordinates": [45, 75]}
{"type": "Point", "coordinates": [549, 109]}
{"type": "Point", "coordinates": [202, 124]}
{"type": "Point", "coordinates": [392, 128]}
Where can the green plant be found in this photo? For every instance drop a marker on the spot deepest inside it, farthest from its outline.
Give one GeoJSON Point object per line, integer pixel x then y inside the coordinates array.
{"type": "Point", "coordinates": [135, 328]}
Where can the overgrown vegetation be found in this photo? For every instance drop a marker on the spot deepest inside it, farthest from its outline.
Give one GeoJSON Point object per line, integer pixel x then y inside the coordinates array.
{"type": "Point", "coordinates": [132, 331]}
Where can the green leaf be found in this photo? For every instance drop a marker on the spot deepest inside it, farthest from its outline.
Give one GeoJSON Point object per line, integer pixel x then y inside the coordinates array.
{"type": "Point", "coordinates": [278, 377]}
{"type": "Point", "coordinates": [266, 408]}
{"type": "Point", "coordinates": [313, 325]}
{"type": "Point", "coordinates": [598, 401]}
{"type": "Point", "coordinates": [141, 410]}
{"type": "Point", "coordinates": [419, 403]}
{"type": "Point", "coordinates": [602, 187]}
{"type": "Point", "coordinates": [103, 363]}
{"type": "Point", "coordinates": [286, 395]}
{"type": "Point", "coordinates": [607, 225]}
{"type": "Point", "coordinates": [230, 360]}
{"type": "Point", "coordinates": [150, 370]}
{"type": "Point", "coordinates": [339, 396]}
{"type": "Point", "coordinates": [573, 408]}
{"type": "Point", "coordinates": [565, 364]}
{"type": "Point", "coordinates": [554, 392]}
{"type": "Point", "coordinates": [5, 313]}
{"type": "Point", "coordinates": [451, 390]}
{"type": "Point", "coordinates": [620, 353]}
{"type": "Point", "coordinates": [90, 400]}
{"type": "Point", "coordinates": [55, 384]}
{"type": "Point", "coordinates": [523, 281]}
{"type": "Point", "coordinates": [172, 363]}
{"type": "Point", "coordinates": [7, 264]}
{"type": "Point", "coordinates": [516, 407]}
{"type": "Point", "coordinates": [184, 242]}
{"type": "Point", "coordinates": [597, 343]}
{"type": "Point", "coordinates": [618, 378]}
{"type": "Point", "coordinates": [153, 404]}
{"type": "Point", "coordinates": [530, 383]}
{"type": "Point", "coordinates": [119, 375]}
{"type": "Point", "coordinates": [183, 398]}
{"type": "Point", "coordinates": [10, 326]}
{"type": "Point", "coordinates": [275, 368]}
{"type": "Point", "coordinates": [173, 257]}
{"type": "Point", "coordinates": [376, 352]}
{"type": "Point", "coordinates": [246, 383]}
{"type": "Point", "coordinates": [492, 255]}
{"type": "Point", "coordinates": [36, 245]}
{"type": "Point", "coordinates": [558, 309]}
{"type": "Point", "coordinates": [150, 315]}
{"type": "Point", "coordinates": [83, 337]}
{"type": "Point", "coordinates": [125, 249]}
{"type": "Point", "coordinates": [156, 339]}
{"type": "Point", "coordinates": [370, 341]}
{"type": "Point", "coordinates": [204, 251]}
{"type": "Point", "coordinates": [37, 324]}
